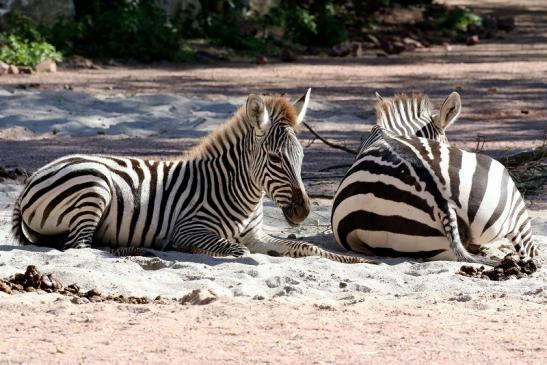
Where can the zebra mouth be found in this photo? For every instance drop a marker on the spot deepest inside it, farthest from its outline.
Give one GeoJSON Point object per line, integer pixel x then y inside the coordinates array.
{"type": "Point", "coordinates": [295, 214]}
{"type": "Point", "coordinates": [298, 209]}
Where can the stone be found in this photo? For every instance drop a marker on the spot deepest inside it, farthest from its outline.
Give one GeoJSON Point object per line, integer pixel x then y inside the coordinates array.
{"type": "Point", "coordinates": [372, 39]}
{"type": "Point", "coordinates": [412, 42]}
{"type": "Point", "coordinates": [198, 297]}
{"type": "Point", "coordinates": [261, 60]}
{"type": "Point", "coordinates": [472, 40]}
{"type": "Point", "coordinates": [356, 49]}
{"type": "Point", "coordinates": [4, 68]}
{"type": "Point", "coordinates": [341, 50]}
{"type": "Point", "coordinates": [393, 47]}
{"type": "Point", "coordinates": [13, 70]}
{"type": "Point", "coordinates": [46, 65]}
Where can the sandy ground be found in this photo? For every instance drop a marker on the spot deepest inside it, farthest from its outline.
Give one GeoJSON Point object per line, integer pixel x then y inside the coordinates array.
{"type": "Point", "coordinates": [276, 310]}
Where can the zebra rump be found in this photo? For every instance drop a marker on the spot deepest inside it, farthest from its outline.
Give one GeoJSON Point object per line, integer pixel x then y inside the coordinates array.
{"type": "Point", "coordinates": [418, 197]}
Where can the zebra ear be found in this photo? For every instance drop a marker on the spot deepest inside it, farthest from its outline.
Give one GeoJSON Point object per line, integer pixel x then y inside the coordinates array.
{"type": "Point", "coordinates": [256, 112]}
{"type": "Point", "coordinates": [450, 111]}
{"type": "Point", "coordinates": [301, 106]}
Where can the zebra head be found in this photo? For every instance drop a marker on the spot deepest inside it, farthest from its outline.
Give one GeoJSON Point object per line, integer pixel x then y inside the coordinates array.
{"type": "Point", "coordinates": [277, 153]}
{"type": "Point", "coordinates": [412, 116]}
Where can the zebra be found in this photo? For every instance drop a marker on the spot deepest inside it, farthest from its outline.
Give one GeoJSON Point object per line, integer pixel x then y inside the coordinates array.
{"type": "Point", "coordinates": [409, 193]}
{"type": "Point", "coordinates": [207, 201]}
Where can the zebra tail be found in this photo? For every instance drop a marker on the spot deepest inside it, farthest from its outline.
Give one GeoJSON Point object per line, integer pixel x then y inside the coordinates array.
{"type": "Point", "coordinates": [17, 225]}
{"type": "Point", "coordinates": [453, 235]}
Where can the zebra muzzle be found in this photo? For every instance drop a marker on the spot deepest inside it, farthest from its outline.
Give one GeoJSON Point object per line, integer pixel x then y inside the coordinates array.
{"type": "Point", "coordinates": [299, 208]}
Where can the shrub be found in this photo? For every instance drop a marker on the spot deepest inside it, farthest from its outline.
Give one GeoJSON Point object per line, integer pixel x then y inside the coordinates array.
{"type": "Point", "coordinates": [135, 29]}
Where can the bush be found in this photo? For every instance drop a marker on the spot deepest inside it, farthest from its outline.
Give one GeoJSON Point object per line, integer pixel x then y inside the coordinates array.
{"type": "Point", "coordinates": [457, 20]}
{"type": "Point", "coordinates": [315, 22]}
{"type": "Point", "coordinates": [21, 52]}
{"type": "Point", "coordinates": [135, 29]}
{"type": "Point", "coordinates": [25, 45]}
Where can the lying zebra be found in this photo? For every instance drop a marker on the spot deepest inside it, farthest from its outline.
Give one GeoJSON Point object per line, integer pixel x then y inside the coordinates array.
{"type": "Point", "coordinates": [209, 201]}
{"type": "Point", "coordinates": [409, 193]}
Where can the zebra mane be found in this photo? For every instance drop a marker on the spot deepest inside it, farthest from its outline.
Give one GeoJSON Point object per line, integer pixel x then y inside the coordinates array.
{"type": "Point", "coordinates": [402, 114]}
{"type": "Point", "coordinates": [281, 110]}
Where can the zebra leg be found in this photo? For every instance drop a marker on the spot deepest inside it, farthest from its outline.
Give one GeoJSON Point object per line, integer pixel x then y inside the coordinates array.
{"type": "Point", "coordinates": [131, 251]}
{"type": "Point", "coordinates": [450, 225]}
{"type": "Point", "coordinates": [206, 242]}
{"type": "Point", "coordinates": [260, 242]}
{"type": "Point", "coordinates": [523, 244]}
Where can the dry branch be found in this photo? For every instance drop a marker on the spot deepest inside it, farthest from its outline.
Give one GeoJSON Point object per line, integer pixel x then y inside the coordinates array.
{"type": "Point", "coordinates": [327, 142]}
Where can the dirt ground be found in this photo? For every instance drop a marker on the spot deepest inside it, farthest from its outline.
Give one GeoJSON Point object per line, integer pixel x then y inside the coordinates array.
{"type": "Point", "coordinates": [503, 87]}
{"type": "Point", "coordinates": [499, 330]}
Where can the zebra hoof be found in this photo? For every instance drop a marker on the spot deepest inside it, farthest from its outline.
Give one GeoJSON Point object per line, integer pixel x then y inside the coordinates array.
{"type": "Point", "coordinates": [239, 252]}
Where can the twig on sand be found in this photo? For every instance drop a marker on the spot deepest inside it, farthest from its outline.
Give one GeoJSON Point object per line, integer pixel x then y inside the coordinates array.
{"type": "Point", "coordinates": [327, 142]}
{"type": "Point", "coordinates": [335, 167]}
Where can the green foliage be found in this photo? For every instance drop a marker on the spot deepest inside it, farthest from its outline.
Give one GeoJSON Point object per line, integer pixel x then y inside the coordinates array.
{"type": "Point", "coordinates": [458, 19]}
{"type": "Point", "coordinates": [25, 45]}
{"type": "Point", "coordinates": [312, 22]}
{"type": "Point", "coordinates": [18, 51]}
{"type": "Point", "coordinates": [120, 29]}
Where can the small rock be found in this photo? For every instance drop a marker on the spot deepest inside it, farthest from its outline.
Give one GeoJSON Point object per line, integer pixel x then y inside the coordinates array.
{"type": "Point", "coordinates": [372, 39]}
{"type": "Point", "coordinates": [291, 236]}
{"type": "Point", "coordinates": [287, 55]}
{"type": "Point", "coordinates": [261, 60]}
{"type": "Point", "coordinates": [92, 293]}
{"type": "Point", "coordinates": [13, 70]}
{"type": "Point", "coordinates": [343, 284]}
{"type": "Point", "coordinates": [198, 297]}
{"type": "Point", "coordinates": [412, 42]}
{"type": "Point", "coordinates": [472, 40]}
{"type": "Point", "coordinates": [393, 47]}
{"type": "Point", "coordinates": [4, 68]}
{"type": "Point", "coordinates": [447, 47]}
{"type": "Point", "coordinates": [524, 111]}
{"type": "Point", "coordinates": [47, 65]}
{"type": "Point", "coordinates": [356, 49]}
{"type": "Point", "coordinates": [341, 50]}
{"type": "Point", "coordinates": [73, 288]}
{"type": "Point", "coordinates": [5, 287]}
{"type": "Point", "coordinates": [76, 300]}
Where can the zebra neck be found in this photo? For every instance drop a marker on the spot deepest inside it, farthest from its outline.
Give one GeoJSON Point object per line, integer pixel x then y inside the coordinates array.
{"type": "Point", "coordinates": [228, 162]}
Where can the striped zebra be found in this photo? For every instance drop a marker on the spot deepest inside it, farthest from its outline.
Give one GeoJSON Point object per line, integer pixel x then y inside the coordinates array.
{"type": "Point", "coordinates": [207, 201]}
{"type": "Point", "coordinates": [408, 193]}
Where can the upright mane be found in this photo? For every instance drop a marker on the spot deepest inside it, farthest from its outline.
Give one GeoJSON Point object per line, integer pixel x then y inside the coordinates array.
{"type": "Point", "coordinates": [403, 114]}
{"type": "Point", "coordinates": [279, 108]}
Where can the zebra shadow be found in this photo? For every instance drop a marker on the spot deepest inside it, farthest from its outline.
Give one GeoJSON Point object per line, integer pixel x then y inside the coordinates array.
{"type": "Point", "coordinates": [327, 242]}
{"type": "Point", "coordinates": [152, 260]}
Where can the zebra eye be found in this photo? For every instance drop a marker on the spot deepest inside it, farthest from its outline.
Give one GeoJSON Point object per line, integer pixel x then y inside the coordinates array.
{"type": "Point", "coordinates": [275, 157]}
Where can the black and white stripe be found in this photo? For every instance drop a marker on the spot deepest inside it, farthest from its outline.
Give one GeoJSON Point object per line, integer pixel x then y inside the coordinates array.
{"type": "Point", "coordinates": [419, 197]}
{"type": "Point", "coordinates": [209, 201]}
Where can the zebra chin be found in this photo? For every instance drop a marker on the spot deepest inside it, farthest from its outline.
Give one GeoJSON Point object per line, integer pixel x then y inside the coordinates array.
{"type": "Point", "coordinates": [298, 209]}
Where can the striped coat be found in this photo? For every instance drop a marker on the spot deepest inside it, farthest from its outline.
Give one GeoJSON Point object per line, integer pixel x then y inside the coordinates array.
{"type": "Point", "coordinates": [208, 201]}
{"type": "Point", "coordinates": [419, 197]}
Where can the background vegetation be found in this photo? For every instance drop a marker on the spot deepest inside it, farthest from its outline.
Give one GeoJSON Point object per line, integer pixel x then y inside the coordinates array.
{"type": "Point", "coordinates": [139, 30]}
